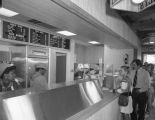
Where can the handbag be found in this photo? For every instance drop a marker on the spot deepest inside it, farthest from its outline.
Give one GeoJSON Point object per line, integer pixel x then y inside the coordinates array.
{"type": "Point", "coordinates": [123, 99]}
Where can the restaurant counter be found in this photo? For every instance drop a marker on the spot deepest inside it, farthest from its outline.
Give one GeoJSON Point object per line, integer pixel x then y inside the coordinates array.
{"type": "Point", "coordinates": [82, 100]}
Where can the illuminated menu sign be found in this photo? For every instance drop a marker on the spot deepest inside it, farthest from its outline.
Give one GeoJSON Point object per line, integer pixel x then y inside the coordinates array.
{"type": "Point", "coordinates": [145, 4]}
{"type": "Point", "coordinates": [114, 2]}
{"type": "Point", "coordinates": [59, 42]}
{"type": "Point", "coordinates": [66, 43]}
{"type": "Point", "coordinates": [14, 31]}
{"type": "Point", "coordinates": [38, 37]}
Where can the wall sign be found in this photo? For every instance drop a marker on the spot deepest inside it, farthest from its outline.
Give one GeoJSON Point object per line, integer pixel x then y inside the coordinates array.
{"type": "Point", "coordinates": [145, 4]}
{"type": "Point", "coordinates": [55, 41]}
{"type": "Point", "coordinates": [17, 32]}
{"type": "Point", "coordinates": [38, 37]}
{"type": "Point", "coordinates": [14, 31]}
{"type": "Point", "coordinates": [114, 2]}
{"type": "Point", "coordinates": [66, 43]}
{"type": "Point", "coordinates": [59, 42]}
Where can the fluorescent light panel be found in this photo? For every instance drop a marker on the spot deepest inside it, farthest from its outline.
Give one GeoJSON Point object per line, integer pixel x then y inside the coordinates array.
{"type": "Point", "coordinates": [66, 33]}
{"type": "Point", "coordinates": [94, 42]}
{"type": "Point", "coordinates": [137, 1]}
{"type": "Point", "coordinates": [7, 12]}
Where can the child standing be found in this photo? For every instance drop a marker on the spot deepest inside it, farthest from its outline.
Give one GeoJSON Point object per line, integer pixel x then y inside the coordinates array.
{"type": "Point", "coordinates": [124, 87]}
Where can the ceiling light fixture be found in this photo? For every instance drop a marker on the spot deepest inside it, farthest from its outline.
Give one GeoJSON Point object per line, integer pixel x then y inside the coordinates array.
{"type": "Point", "coordinates": [94, 42]}
{"type": "Point", "coordinates": [137, 1]}
{"type": "Point", "coordinates": [6, 12]}
{"type": "Point", "coordinates": [66, 33]}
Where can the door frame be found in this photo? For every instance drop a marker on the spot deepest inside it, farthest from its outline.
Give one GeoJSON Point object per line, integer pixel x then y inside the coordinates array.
{"type": "Point", "coordinates": [52, 65]}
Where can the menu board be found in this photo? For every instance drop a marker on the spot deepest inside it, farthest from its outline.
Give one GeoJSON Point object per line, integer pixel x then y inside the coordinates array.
{"type": "Point", "coordinates": [14, 31]}
{"type": "Point", "coordinates": [55, 41]}
{"type": "Point", "coordinates": [38, 37]}
{"type": "Point", "coordinates": [59, 42]}
{"type": "Point", "coordinates": [66, 43]}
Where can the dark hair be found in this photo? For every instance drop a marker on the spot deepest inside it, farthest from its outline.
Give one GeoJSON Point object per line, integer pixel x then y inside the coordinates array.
{"type": "Point", "coordinates": [7, 70]}
{"type": "Point", "coordinates": [138, 62]}
{"type": "Point", "coordinates": [152, 66]}
{"type": "Point", "coordinates": [37, 69]}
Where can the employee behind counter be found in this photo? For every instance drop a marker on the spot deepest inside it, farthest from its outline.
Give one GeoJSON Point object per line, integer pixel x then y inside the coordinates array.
{"type": "Point", "coordinates": [8, 81]}
{"type": "Point", "coordinates": [39, 79]}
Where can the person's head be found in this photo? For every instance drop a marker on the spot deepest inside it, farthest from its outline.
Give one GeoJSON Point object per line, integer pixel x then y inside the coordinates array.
{"type": "Point", "coordinates": [145, 66]}
{"type": "Point", "coordinates": [124, 70]}
{"type": "Point", "coordinates": [145, 63]}
{"type": "Point", "coordinates": [92, 71]}
{"type": "Point", "coordinates": [7, 72]}
{"type": "Point", "coordinates": [150, 68]}
{"type": "Point", "coordinates": [41, 67]}
{"type": "Point", "coordinates": [136, 63]}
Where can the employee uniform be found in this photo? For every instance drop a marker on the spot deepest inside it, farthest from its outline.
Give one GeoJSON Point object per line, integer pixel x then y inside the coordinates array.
{"type": "Point", "coordinates": [139, 93]}
{"type": "Point", "coordinates": [39, 82]}
{"type": "Point", "coordinates": [13, 85]}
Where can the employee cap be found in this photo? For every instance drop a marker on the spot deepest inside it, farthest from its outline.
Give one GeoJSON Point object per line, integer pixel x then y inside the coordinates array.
{"type": "Point", "coordinates": [41, 65]}
{"type": "Point", "coordinates": [5, 66]}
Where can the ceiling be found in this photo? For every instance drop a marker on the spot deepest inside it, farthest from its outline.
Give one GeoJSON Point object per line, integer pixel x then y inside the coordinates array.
{"type": "Point", "coordinates": [54, 17]}
{"type": "Point", "coordinates": [143, 23]}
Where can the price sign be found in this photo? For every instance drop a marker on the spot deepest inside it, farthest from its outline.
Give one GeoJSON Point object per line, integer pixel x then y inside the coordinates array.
{"type": "Point", "coordinates": [66, 43]}
{"type": "Point", "coordinates": [59, 42]}
{"type": "Point", "coordinates": [145, 4]}
{"type": "Point", "coordinates": [15, 32]}
{"type": "Point", "coordinates": [55, 41]}
{"type": "Point", "coordinates": [38, 37]}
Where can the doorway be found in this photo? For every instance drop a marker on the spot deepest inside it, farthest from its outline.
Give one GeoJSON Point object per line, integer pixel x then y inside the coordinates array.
{"type": "Point", "coordinates": [149, 58]}
{"type": "Point", "coordinates": [60, 67]}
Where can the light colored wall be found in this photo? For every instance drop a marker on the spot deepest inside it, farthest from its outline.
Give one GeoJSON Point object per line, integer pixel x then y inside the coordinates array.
{"type": "Point", "coordinates": [88, 54]}
{"type": "Point", "coordinates": [107, 16]}
{"type": "Point", "coordinates": [115, 56]}
{"type": "Point", "coordinates": [80, 52]}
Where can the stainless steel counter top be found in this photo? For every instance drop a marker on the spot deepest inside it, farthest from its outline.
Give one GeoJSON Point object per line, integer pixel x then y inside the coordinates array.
{"type": "Point", "coordinates": [56, 104]}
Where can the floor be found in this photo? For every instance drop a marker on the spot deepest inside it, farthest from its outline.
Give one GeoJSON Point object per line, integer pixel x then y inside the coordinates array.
{"type": "Point", "coordinates": [151, 116]}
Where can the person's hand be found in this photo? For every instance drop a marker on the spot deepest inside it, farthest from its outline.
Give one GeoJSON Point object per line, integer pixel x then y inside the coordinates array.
{"type": "Point", "coordinates": [119, 91]}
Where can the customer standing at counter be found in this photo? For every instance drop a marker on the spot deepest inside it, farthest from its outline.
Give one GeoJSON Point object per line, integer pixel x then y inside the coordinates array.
{"type": "Point", "coordinates": [7, 75]}
{"type": "Point", "coordinates": [39, 80]}
{"type": "Point", "coordinates": [139, 92]}
{"type": "Point", "coordinates": [124, 87]}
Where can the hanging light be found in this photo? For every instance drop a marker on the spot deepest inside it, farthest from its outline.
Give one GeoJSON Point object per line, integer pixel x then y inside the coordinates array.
{"type": "Point", "coordinates": [137, 1]}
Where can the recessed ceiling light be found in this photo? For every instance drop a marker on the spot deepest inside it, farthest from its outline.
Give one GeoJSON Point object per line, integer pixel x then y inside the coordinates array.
{"type": "Point", "coordinates": [67, 33]}
{"type": "Point", "coordinates": [94, 42]}
{"type": "Point", "coordinates": [137, 1]}
{"type": "Point", "coordinates": [151, 42]}
{"type": "Point", "coordinates": [7, 12]}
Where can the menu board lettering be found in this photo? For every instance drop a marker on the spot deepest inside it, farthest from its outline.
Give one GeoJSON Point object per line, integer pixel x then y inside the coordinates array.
{"type": "Point", "coordinates": [145, 4]}
{"type": "Point", "coordinates": [66, 44]}
{"type": "Point", "coordinates": [38, 37]}
{"type": "Point", "coordinates": [59, 42]}
{"type": "Point", "coordinates": [14, 31]}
